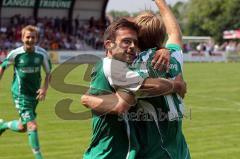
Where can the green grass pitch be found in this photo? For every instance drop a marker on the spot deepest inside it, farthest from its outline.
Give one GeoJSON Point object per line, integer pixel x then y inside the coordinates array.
{"type": "Point", "coordinates": [212, 126]}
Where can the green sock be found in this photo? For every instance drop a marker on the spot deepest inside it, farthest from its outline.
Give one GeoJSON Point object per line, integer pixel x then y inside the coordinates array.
{"type": "Point", "coordinates": [34, 143]}
{"type": "Point", "coordinates": [12, 125]}
{"type": "Point", "coordinates": [4, 126]}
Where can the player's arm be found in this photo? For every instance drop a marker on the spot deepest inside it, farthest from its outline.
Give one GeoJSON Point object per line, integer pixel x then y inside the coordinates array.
{"type": "Point", "coordinates": [183, 92]}
{"type": "Point", "coordinates": [1, 72]}
{"type": "Point", "coordinates": [43, 90]}
{"type": "Point", "coordinates": [161, 86]}
{"type": "Point", "coordinates": [115, 103]}
{"type": "Point", "coordinates": [120, 102]}
{"type": "Point", "coordinates": [123, 77]}
{"type": "Point", "coordinates": [171, 24]}
{"type": "Point", "coordinates": [9, 60]}
{"type": "Point", "coordinates": [47, 69]}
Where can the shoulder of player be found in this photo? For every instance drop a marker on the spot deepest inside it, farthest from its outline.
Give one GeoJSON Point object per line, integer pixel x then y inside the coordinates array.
{"type": "Point", "coordinates": [41, 51]}
{"type": "Point", "coordinates": [15, 52]}
{"type": "Point", "coordinates": [109, 62]}
{"type": "Point", "coordinates": [174, 47]}
{"type": "Point", "coordinates": [173, 60]}
{"type": "Point", "coordinates": [111, 66]}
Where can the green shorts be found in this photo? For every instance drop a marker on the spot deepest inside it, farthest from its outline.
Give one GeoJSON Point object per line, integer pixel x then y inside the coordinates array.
{"type": "Point", "coordinates": [26, 107]}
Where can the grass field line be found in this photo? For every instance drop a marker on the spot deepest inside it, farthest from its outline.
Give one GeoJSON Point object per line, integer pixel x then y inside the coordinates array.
{"type": "Point", "coordinates": [215, 126]}
{"type": "Point", "coordinates": [235, 102]}
{"type": "Point", "coordinates": [212, 109]}
{"type": "Point", "coordinates": [213, 146]}
{"type": "Point", "coordinates": [51, 154]}
{"type": "Point", "coordinates": [213, 137]}
{"type": "Point", "coordinates": [223, 150]}
{"type": "Point", "coordinates": [217, 99]}
{"type": "Point", "coordinates": [43, 142]}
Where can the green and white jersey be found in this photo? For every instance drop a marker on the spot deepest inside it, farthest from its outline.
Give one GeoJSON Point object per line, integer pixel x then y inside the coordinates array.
{"type": "Point", "coordinates": [113, 136]}
{"type": "Point", "coordinates": [119, 75]}
{"type": "Point", "coordinates": [27, 70]}
{"type": "Point", "coordinates": [167, 111]}
{"type": "Point", "coordinates": [172, 104]}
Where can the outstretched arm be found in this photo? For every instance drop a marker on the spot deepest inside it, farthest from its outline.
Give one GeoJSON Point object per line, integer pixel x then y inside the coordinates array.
{"type": "Point", "coordinates": [115, 103]}
{"type": "Point", "coordinates": [160, 86]}
{"type": "Point", "coordinates": [120, 102]}
{"type": "Point", "coordinates": [171, 24]}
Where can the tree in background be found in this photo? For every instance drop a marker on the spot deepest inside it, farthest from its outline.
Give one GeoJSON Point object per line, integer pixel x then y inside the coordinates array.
{"type": "Point", "coordinates": [116, 14]}
{"type": "Point", "coordinates": [202, 17]}
{"type": "Point", "coordinates": [212, 17]}
{"type": "Point", "coordinates": [179, 10]}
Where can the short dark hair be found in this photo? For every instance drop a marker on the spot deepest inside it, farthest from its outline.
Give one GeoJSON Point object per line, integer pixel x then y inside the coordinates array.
{"type": "Point", "coordinates": [110, 32]}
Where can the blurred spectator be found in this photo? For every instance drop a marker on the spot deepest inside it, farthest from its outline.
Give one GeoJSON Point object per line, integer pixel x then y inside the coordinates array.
{"type": "Point", "coordinates": [3, 54]}
{"type": "Point", "coordinates": [55, 33]}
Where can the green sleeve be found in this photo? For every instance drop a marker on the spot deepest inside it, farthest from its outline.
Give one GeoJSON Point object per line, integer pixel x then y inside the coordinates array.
{"type": "Point", "coordinates": [8, 61]}
{"type": "Point", "coordinates": [173, 47]}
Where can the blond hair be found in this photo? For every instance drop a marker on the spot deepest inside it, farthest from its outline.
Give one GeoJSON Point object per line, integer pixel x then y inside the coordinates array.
{"type": "Point", "coordinates": [152, 31]}
{"type": "Point", "coordinates": [30, 28]}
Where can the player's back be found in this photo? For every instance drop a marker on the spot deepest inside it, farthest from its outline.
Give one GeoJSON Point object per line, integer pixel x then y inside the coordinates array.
{"type": "Point", "coordinates": [163, 103]}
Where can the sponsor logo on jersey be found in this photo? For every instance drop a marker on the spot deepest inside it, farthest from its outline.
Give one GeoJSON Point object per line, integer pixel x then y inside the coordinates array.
{"type": "Point", "coordinates": [30, 69]}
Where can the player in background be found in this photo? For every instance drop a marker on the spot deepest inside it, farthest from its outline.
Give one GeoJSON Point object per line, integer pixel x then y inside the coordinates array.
{"type": "Point", "coordinates": [26, 86]}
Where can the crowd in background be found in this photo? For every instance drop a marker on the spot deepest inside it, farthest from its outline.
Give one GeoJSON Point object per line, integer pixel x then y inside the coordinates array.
{"type": "Point", "coordinates": [62, 34]}
{"type": "Point", "coordinates": [55, 33]}
{"type": "Point", "coordinates": [211, 47]}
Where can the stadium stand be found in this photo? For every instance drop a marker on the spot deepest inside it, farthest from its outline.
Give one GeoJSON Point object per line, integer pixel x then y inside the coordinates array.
{"type": "Point", "coordinates": [63, 25]}
{"type": "Point", "coordinates": [79, 25]}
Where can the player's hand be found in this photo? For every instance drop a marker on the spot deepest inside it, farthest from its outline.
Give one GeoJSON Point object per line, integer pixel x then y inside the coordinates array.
{"type": "Point", "coordinates": [180, 86]}
{"type": "Point", "coordinates": [161, 60]}
{"type": "Point", "coordinates": [41, 94]}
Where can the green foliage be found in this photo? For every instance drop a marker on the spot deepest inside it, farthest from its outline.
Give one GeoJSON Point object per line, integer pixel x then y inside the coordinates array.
{"type": "Point", "coordinates": [212, 17]}
{"type": "Point", "coordinates": [116, 14]}
{"type": "Point", "coordinates": [179, 11]}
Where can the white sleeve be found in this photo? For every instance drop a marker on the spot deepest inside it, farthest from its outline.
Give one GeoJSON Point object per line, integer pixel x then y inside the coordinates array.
{"type": "Point", "coordinates": [46, 59]}
{"type": "Point", "coordinates": [178, 55]}
{"type": "Point", "coordinates": [9, 60]}
{"type": "Point", "coordinates": [120, 76]}
{"type": "Point", "coordinates": [176, 52]}
{"type": "Point", "coordinates": [46, 64]}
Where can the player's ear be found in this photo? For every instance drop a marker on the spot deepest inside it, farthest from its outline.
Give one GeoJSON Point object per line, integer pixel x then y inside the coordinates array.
{"type": "Point", "coordinates": [108, 44]}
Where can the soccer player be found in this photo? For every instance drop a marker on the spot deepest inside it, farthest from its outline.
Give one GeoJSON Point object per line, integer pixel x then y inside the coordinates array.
{"type": "Point", "coordinates": [113, 136]}
{"type": "Point", "coordinates": [169, 108]}
{"type": "Point", "coordinates": [26, 91]}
